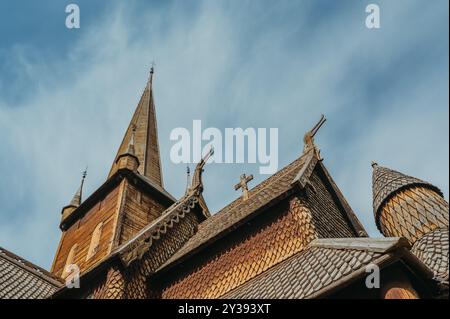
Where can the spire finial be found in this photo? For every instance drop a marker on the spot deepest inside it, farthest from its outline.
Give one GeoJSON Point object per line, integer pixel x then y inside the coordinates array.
{"type": "Point", "coordinates": [188, 179]}
{"type": "Point", "coordinates": [76, 200]}
{"type": "Point", "coordinates": [83, 175]}
{"type": "Point", "coordinates": [152, 71]}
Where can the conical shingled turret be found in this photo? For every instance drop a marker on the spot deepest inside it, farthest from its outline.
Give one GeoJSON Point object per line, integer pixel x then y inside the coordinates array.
{"type": "Point", "coordinates": [406, 206]}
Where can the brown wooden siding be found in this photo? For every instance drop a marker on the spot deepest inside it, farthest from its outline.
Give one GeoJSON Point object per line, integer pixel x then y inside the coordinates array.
{"type": "Point", "coordinates": [81, 232]}
{"type": "Point", "coordinates": [139, 210]}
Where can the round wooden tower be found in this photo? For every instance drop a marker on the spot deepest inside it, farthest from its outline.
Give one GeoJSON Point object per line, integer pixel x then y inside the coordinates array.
{"type": "Point", "coordinates": [405, 206]}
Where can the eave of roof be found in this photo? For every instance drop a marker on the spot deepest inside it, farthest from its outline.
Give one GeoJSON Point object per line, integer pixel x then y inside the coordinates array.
{"type": "Point", "coordinates": [158, 227]}
{"type": "Point", "coordinates": [30, 267]}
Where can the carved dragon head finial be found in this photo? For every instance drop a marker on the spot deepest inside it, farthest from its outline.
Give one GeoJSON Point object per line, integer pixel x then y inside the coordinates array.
{"type": "Point", "coordinates": [308, 138]}
{"type": "Point", "coordinates": [197, 184]}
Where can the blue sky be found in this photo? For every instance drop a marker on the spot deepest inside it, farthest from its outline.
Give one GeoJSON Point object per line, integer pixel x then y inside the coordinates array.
{"type": "Point", "coordinates": [66, 96]}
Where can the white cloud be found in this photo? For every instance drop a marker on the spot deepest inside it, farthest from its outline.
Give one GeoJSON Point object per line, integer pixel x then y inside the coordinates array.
{"type": "Point", "coordinates": [218, 66]}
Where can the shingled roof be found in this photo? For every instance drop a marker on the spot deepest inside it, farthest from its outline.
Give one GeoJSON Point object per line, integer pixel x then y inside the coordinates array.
{"type": "Point", "coordinates": [20, 279]}
{"type": "Point", "coordinates": [229, 217]}
{"type": "Point", "coordinates": [270, 191]}
{"type": "Point", "coordinates": [324, 265]}
{"type": "Point", "coordinates": [433, 250]}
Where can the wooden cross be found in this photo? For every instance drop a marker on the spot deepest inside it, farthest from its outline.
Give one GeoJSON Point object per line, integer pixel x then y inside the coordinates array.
{"type": "Point", "coordinates": [243, 184]}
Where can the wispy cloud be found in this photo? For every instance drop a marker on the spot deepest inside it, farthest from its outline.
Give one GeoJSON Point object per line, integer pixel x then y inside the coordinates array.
{"type": "Point", "coordinates": [231, 64]}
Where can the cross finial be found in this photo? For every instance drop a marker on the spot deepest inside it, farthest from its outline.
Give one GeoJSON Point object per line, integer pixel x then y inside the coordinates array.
{"type": "Point", "coordinates": [243, 184]}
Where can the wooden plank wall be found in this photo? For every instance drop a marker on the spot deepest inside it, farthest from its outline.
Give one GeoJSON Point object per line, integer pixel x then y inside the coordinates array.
{"type": "Point", "coordinates": [139, 211]}
{"type": "Point", "coordinates": [81, 233]}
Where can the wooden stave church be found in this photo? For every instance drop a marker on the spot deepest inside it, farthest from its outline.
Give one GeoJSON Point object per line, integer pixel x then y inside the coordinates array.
{"type": "Point", "coordinates": [292, 236]}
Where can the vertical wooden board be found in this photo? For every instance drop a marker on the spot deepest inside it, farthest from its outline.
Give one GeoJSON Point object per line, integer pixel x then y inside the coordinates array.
{"type": "Point", "coordinates": [81, 233]}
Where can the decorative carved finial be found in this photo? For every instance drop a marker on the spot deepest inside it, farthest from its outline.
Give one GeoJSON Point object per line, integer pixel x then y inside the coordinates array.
{"type": "Point", "coordinates": [197, 184]}
{"type": "Point", "coordinates": [308, 139]}
{"type": "Point", "coordinates": [188, 179]}
{"type": "Point", "coordinates": [243, 184]}
{"type": "Point", "coordinates": [374, 164]}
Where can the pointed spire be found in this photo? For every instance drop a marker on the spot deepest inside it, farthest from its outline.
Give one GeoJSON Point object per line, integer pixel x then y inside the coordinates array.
{"type": "Point", "coordinates": [77, 198]}
{"type": "Point", "coordinates": [75, 202]}
{"type": "Point", "coordinates": [145, 137]}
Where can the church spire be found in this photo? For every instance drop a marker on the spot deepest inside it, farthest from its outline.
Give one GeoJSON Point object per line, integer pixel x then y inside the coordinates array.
{"type": "Point", "coordinates": [146, 147]}
{"type": "Point", "coordinates": [76, 200]}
